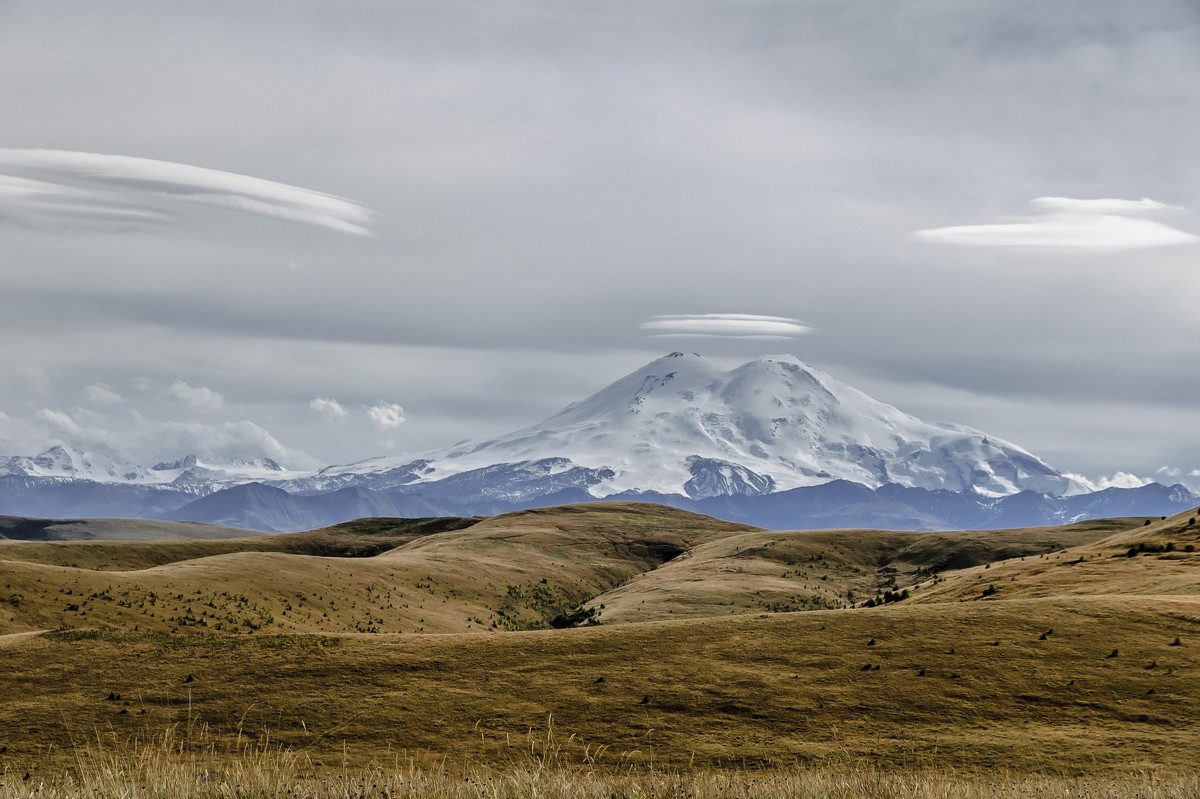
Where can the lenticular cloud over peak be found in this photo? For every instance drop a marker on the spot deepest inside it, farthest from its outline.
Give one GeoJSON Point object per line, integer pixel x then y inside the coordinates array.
{"type": "Point", "coordinates": [724, 325]}
{"type": "Point", "coordinates": [1064, 222]}
{"type": "Point", "coordinates": [64, 184]}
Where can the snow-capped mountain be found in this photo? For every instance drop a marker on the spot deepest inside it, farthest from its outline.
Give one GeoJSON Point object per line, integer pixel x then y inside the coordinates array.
{"type": "Point", "coordinates": [189, 474]}
{"type": "Point", "coordinates": [64, 462]}
{"type": "Point", "coordinates": [773, 442]}
{"type": "Point", "coordinates": [683, 425]}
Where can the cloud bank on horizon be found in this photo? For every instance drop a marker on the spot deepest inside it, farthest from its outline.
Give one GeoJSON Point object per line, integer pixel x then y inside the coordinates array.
{"type": "Point", "coordinates": [66, 186]}
{"type": "Point", "coordinates": [724, 325]}
{"type": "Point", "coordinates": [1063, 222]}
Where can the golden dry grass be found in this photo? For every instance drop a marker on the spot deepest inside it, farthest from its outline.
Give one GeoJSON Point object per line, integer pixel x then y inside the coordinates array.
{"type": "Point", "coordinates": [968, 685]}
{"type": "Point", "coordinates": [184, 764]}
{"type": "Point", "coordinates": [1083, 661]}
{"type": "Point", "coordinates": [517, 571]}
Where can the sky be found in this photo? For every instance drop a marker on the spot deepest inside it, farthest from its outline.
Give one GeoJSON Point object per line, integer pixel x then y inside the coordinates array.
{"type": "Point", "coordinates": [323, 231]}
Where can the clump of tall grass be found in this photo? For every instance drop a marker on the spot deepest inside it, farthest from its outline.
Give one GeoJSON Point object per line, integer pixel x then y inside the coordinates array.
{"type": "Point", "coordinates": [190, 765]}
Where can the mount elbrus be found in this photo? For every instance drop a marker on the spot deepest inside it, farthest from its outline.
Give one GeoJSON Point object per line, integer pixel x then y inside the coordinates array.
{"type": "Point", "coordinates": [772, 442]}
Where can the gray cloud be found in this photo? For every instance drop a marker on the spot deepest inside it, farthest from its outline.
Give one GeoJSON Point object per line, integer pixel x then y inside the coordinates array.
{"type": "Point", "coordinates": [330, 409]}
{"type": "Point", "coordinates": [102, 394]}
{"type": "Point", "coordinates": [386, 415]}
{"type": "Point", "coordinates": [198, 397]}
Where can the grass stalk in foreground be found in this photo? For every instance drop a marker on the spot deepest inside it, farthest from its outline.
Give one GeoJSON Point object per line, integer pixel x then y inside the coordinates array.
{"type": "Point", "coordinates": [191, 766]}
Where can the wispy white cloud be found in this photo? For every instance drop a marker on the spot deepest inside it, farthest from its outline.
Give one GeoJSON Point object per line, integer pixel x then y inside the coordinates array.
{"type": "Point", "coordinates": [1063, 222]}
{"type": "Point", "coordinates": [149, 441]}
{"type": "Point", "coordinates": [386, 415]}
{"type": "Point", "coordinates": [1175, 473]}
{"type": "Point", "coordinates": [331, 409]}
{"type": "Point", "coordinates": [1117, 480]}
{"type": "Point", "coordinates": [58, 421]}
{"type": "Point", "coordinates": [225, 442]}
{"type": "Point", "coordinates": [102, 394]}
{"type": "Point", "coordinates": [61, 426]}
{"type": "Point", "coordinates": [1101, 206]}
{"type": "Point", "coordinates": [725, 325]}
{"type": "Point", "coordinates": [198, 397]}
{"type": "Point", "coordinates": [79, 186]}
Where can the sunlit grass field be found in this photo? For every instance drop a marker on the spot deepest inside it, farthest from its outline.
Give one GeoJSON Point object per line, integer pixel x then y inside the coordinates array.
{"type": "Point", "coordinates": [726, 661]}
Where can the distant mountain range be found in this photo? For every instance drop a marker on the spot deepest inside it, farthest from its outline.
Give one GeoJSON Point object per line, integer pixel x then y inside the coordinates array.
{"type": "Point", "coordinates": [773, 442]}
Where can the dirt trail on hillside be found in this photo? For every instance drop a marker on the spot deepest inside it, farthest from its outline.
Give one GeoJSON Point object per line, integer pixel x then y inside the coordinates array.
{"type": "Point", "coordinates": [13, 639]}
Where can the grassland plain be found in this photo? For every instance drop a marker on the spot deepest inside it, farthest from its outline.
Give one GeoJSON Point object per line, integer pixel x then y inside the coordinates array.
{"type": "Point", "coordinates": [1056, 651]}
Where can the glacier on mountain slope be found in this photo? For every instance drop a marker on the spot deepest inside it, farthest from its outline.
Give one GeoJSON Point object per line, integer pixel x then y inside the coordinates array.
{"type": "Point", "coordinates": [683, 425]}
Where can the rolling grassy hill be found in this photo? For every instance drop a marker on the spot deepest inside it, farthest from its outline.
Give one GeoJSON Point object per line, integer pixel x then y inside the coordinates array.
{"type": "Point", "coordinates": [1064, 650]}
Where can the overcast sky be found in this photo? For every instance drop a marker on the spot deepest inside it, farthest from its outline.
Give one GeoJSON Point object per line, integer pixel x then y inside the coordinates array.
{"type": "Point", "coordinates": [323, 231]}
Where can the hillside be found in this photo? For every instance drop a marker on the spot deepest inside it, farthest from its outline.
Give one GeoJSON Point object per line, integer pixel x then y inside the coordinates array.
{"type": "Point", "coordinates": [1156, 559]}
{"type": "Point", "coordinates": [521, 570]}
{"type": "Point", "coordinates": [19, 528]}
{"type": "Point", "coordinates": [1082, 660]}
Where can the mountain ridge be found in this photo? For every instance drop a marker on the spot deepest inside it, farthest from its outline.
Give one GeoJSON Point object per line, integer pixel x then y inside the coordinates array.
{"type": "Point", "coordinates": [773, 442]}
{"type": "Point", "coordinates": [681, 424]}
